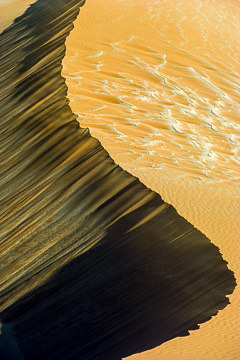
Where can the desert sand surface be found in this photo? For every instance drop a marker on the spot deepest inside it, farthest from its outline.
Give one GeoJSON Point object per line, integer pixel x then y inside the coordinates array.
{"type": "Point", "coordinates": [157, 82]}
{"type": "Point", "coordinates": [10, 10]}
{"type": "Point", "coordinates": [74, 223]}
{"type": "Point", "coordinates": [94, 265]}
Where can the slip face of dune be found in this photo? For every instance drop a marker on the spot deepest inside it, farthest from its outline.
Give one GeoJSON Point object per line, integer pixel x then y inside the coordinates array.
{"type": "Point", "coordinates": [157, 82]}
{"type": "Point", "coordinates": [94, 265]}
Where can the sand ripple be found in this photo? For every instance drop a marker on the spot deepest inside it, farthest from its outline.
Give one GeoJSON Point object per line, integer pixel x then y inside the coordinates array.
{"type": "Point", "coordinates": [164, 86]}
{"type": "Point", "coordinates": [94, 265]}
{"type": "Point", "coordinates": [157, 82]}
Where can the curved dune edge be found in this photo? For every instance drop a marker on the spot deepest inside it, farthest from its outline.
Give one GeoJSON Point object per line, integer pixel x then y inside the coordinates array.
{"type": "Point", "coordinates": [100, 70]}
{"type": "Point", "coordinates": [89, 254]}
{"type": "Point", "coordinates": [161, 92]}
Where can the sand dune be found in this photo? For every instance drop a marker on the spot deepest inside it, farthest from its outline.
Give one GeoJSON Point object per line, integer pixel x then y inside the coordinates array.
{"type": "Point", "coordinates": [169, 96]}
{"type": "Point", "coordinates": [157, 82]}
{"type": "Point", "coordinates": [93, 264]}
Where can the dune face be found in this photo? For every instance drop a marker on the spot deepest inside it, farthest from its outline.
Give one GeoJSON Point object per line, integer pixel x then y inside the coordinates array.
{"type": "Point", "coordinates": [161, 78]}
{"type": "Point", "coordinates": [157, 82]}
{"type": "Point", "coordinates": [94, 265]}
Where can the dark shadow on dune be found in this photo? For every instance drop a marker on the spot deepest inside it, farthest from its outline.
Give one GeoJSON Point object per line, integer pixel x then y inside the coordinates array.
{"type": "Point", "coordinates": [128, 294]}
{"type": "Point", "coordinates": [94, 265]}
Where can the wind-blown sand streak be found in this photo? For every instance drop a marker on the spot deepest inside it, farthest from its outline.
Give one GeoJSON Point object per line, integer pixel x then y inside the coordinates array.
{"type": "Point", "coordinates": [93, 264]}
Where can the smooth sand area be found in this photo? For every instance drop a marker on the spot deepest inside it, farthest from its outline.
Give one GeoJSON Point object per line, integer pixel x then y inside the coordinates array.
{"type": "Point", "coordinates": [157, 83]}
{"type": "Point", "coordinates": [11, 9]}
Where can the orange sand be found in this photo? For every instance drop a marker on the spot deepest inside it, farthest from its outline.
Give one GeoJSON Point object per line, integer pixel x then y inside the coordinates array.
{"type": "Point", "coordinates": [11, 9]}
{"type": "Point", "coordinates": [157, 82]}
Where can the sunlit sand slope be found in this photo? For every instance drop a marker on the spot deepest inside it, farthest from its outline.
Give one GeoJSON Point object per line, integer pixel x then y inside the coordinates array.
{"type": "Point", "coordinates": [157, 82]}
{"type": "Point", "coordinates": [10, 9]}
{"type": "Point", "coordinates": [162, 78]}
{"type": "Point", "coordinates": [93, 264]}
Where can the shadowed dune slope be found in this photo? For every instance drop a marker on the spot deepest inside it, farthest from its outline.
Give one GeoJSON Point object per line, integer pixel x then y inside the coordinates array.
{"type": "Point", "coordinates": [93, 264]}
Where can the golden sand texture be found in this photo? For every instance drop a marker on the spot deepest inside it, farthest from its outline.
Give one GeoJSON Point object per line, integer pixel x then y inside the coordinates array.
{"type": "Point", "coordinates": [157, 82]}
{"type": "Point", "coordinates": [93, 264]}
{"type": "Point", "coordinates": [163, 79]}
{"type": "Point", "coordinates": [10, 9]}
{"type": "Point", "coordinates": [215, 210]}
